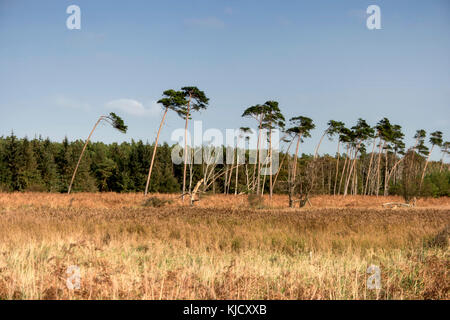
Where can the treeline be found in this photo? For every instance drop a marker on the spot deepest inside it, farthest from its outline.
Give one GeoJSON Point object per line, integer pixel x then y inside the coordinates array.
{"type": "Point", "coordinates": [43, 165]}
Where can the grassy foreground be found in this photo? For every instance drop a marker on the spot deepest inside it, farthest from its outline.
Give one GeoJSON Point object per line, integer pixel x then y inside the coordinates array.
{"type": "Point", "coordinates": [126, 250]}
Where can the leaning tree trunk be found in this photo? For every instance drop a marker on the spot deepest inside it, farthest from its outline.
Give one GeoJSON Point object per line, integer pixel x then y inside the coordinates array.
{"type": "Point", "coordinates": [281, 163]}
{"type": "Point", "coordinates": [351, 169]}
{"type": "Point", "coordinates": [343, 172]}
{"type": "Point", "coordinates": [378, 168]}
{"type": "Point", "coordinates": [237, 170]}
{"type": "Point", "coordinates": [425, 168]}
{"type": "Point", "coordinates": [271, 166]}
{"type": "Point", "coordinates": [337, 169]}
{"type": "Point", "coordinates": [82, 152]}
{"type": "Point", "coordinates": [394, 168]}
{"type": "Point", "coordinates": [386, 173]}
{"type": "Point", "coordinates": [294, 173]}
{"type": "Point", "coordinates": [258, 157]}
{"type": "Point", "coordinates": [154, 152]}
{"type": "Point", "coordinates": [370, 167]}
{"type": "Point", "coordinates": [318, 145]}
{"type": "Point", "coordinates": [185, 146]}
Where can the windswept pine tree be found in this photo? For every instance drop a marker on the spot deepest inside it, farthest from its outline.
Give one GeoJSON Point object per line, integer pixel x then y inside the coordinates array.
{"type": "Point", "coordinates": [360, 133]}
{"type": "Point", "coordinates": [115, 121]}
{"type": "Point", "coordinates": [172, 100]}
{"type": "Point", "coordinates": [435, 140]}
{"type": "Point", "coordinates": [300, 128]}
{"type": "Point", "coordinates": [196, 100]}
{"type": "Point", "coordinates": [273, 119]}
{"type": "Point", "coordinates": [257, 113]}
{"type": "Point", "coordinates": [445, 152]}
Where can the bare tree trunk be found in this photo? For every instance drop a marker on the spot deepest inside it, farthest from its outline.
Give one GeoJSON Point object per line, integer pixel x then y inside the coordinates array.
{"type": "Point", "coordinates": [281, 163]}
{"type": "Point", "coordinates": [82, 152]}
{"type": "Point", "coordinates": [351, 169]}
{"type": "Point", "coordinates": [271, 164]}
{"type": "Point", "coordinates": [393, 169]}
{"type": "Point", "coordinates": [229, 178]}
{"type": "Point", "coordinates": [154, 152]}
{"type": "Point", "coordinates": [258, 156]}
{"type": "Point", "coordinates": [386, 173]}
{"type": "Point", "coordinates": [225, 179]}
{"type": "Point", "coordinates": [318, 145]}
{"type": "Point", "coordinates": [247, 180]}
{"type": "Point", "coordinates": [237, 172]}
{"type": "Point", "coordinates": [185, 145]}
{"type": "Point", "coordinates": [370, 166]}
{"type": "Point", "coordinates": [425, 168]}
{"type": "Point", "coordinates": [378, 167]}
{"type": "Point", "coordinates": [444, 152]}
{"type": "Point", "coordinates": [294, 172]}
{"type": "Point", "coordinates": [337, 168]}
{"type": "Point", "coordinates": [343, 171]}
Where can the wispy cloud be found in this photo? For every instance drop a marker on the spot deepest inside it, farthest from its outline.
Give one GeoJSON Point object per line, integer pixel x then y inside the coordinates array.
{"type": "Point", "coordinates": [210, 22]}
{"type": "Point", "coordinates": [134, 107]}
{"type": "Point", "coordinates": [69, 103]}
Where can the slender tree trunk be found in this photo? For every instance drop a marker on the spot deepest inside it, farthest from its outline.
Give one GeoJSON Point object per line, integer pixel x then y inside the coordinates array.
{"type": "Point", "coordinates": [337, 168]}
{"type": "Point", "coordinates": [237, 171]}
{"type": "Point", "coordinates": [225, 179]}
{"type": "Point", "coordinates": [185, 146]}
{"type": "Point", "coordinates": [351, 169]}
{"type": "Point", "coordinates": [229, 178]}
{"type": "Point", "coordinates": [318, 145]}
{"type": "Point", "coordinates": [378, 167]}
{"type": "Point", "coordinates": [370, 167]}
{"type": "Point", "coordinates": [386, 172]}
{"type": "Point", "coordinates": [82, 152]}
{"type": "Point", "coordinates": [442, 160]}
{"type": "Point", "coordinates": [393, 169]}
{"type": "Point", "coordinates": [271, 164]}
{"type": "Point", "coordinates": [154, 151]}
{"type": "Point", "coordinates": [343, 171]}
{"type": "Point", "coordinates": [294, 171]}
{"type": "Point", "coordinates": [281, 163]}
{"type": "Point", "coordinates": [425, 168]}
{"type": "Point", "coordinates": [258, 156]}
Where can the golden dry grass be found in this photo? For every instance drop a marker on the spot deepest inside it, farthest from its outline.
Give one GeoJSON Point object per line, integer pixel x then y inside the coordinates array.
{"type": "Point", "coordinates": [135, 200]}
{"type": "Point", "coordinates": [220, 249]}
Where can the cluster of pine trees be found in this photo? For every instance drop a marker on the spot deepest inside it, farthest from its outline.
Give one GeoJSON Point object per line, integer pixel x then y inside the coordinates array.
{"type": "Point", "coordinates": [390, 167]}
{"type": "Point", "coordinates": [43, 165]}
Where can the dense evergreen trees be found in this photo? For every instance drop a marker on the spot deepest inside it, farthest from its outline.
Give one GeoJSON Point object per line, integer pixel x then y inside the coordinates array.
{"type": "Point", "coordinates": [43, 165]}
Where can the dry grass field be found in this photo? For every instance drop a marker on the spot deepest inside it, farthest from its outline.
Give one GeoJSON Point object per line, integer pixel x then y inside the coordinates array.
{"type": "Point", "coordinates": [222, 248]}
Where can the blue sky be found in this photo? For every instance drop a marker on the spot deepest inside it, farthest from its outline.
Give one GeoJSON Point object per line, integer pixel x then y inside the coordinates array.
{"type": "Point", "coordinates": [317, 58]}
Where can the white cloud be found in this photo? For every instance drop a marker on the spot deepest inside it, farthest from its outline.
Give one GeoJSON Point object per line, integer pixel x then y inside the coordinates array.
{"type": "Point", "coordinates": [210, 22]}
{"type": "Point", "coordinates": [64, 102]}
{"type": "Point", "coordinates": [133, 107]}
